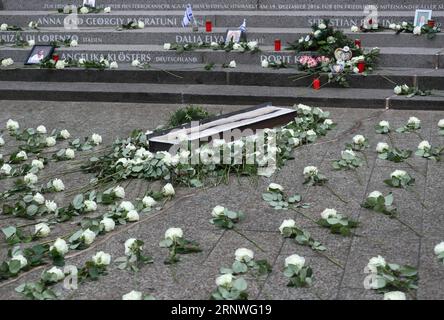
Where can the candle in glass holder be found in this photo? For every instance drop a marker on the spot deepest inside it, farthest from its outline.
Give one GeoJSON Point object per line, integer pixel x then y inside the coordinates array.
{"type": "Point", "coordinates": [317, 84]}
{"type": "Point", "coordinates": [55, 57]}
{"type": "Point", "coordinates": [431, 23]}
{"type": "Point", "coordinates": [208, 26]}
{"type": "Point", "coordinates": [361, 66]}
{"type": "Point", "coordinates": [358, 43]}
{"type": "Point", "coordinates": [277, 45]}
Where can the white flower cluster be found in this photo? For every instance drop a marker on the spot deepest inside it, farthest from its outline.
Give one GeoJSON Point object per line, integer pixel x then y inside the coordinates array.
{"type": "Point", "coordinates": [7, 62]}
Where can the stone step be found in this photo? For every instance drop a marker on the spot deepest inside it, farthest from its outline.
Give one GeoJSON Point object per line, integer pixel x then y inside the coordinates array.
{"type": "Point", "coordinates": [289, 19]}
{"type": "Point", "coordinates": [159, 36]}
{"type": "Point", "coordinates": [385, 78]}
{"type": "Point", "coordinates": [215, 94]}
{"type": "Point", "coordinates": [283, 5]}
{"type": "Point", "coordinates": [389, 57]}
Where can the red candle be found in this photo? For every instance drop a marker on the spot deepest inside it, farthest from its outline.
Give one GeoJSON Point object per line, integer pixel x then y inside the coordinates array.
{"type": "Point", "coordinates": [277, 45]}
{"type": "Point", "coordinates": [358, 43]}
{"type": "Point", "coordinates": [208, 26]}
{"type": "Point", "coordinates": [361, 66]}
{"type": "Point", "coordinates": [316, 84]}
{"type": "Point", "coordinates": [431, 23]}
{"type": "Point", "coordinates": [55, 57]}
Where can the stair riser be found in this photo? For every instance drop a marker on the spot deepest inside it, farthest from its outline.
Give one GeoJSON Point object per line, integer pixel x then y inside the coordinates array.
{"type": "Point", "coordinates": [113, 20]}
{"type": "Point", "coordinates": [111, 36]}
{"type": "Point", "coordinates": [266, 79]}
{"type": "Point", "coordinates": [218, 57]}
{"type": "Point", "coordinates": [283, 5]}
{"type": "Point", "coordinates": [185, 98]}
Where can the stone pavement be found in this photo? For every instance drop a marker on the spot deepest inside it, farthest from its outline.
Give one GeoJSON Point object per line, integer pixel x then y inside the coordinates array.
{"type": "Point", "coordinates": [193, 277]}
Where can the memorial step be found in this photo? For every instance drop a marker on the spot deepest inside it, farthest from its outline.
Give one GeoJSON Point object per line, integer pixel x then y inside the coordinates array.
{"type": "Point", "coordinates": [264, 19]}
{"type": "Point", "coordinates": [247, 75]}
{"type": "Point", "coordinates": [215, 94]}
{"type": "Point", "coordinates": [389, 57]}
{"type": "Point", "coordinates": [283, 5]}
{"type": "Point", "coordinates": [159, 36]}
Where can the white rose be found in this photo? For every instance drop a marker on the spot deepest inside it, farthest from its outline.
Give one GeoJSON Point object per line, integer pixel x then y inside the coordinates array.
{"type": "Point", "coordinates": [88, 236]}
{"type": "Point", "coordinates": [107, 10]}
{"type": "Point", "coordinates": [65, 134]}
{"type": "Point", "coordinates": [328, 122]}
{"type": "Point", "coordinates": [108, 224]}
{"type": "Point", "coordinates": [417, 31]}
{"type": "Point", "coordinates": [7, 62]}
{"type": "Point", "coordinates": [132, 216]}
{"type": "Point", "coordinates": [101, 258]}
{"type": "Point", "coordinates": [290, 223]}
{"type": "Point", "coordinates": [167, 46]}
{"type": "Point", "coordinates": [294, 141]}
{"type": "Point", "coordinates": [224, 280]}
{"type": "Point", "coordinates": [275, 186]}
{"type": "Point", "coordinates": [376, 262]}
{"type": "Point", "coordinates": [264, 63]}
{"type": "Point", "coordinates": [140, 25]}
{"type": "Point", "coordinates": [395, 295]}
{"type": "Point", "coordinates": [232, 64]}
{"type": "Point", "coordinates": [70, 154]}
{"type": "Point", "coordinates": [218, 211]}
{"type": "Point", "coordinates": [148, 201]}
{"type": "Point", "coordinates": [317, 33]}
{"type": "Point", "coordinates": [413, 120]}
{"type": "Point", "coordinates": [382, 147]}
{"type": "Point", "coordinates": [441, 123]}
{"type": "Point", "coordinates": [6, 169]}
{"type": "Point", "coordinates": [30, 178]}
{"type": "Point", "coordinates": [58, 185]}
{"type": "Point", "coordinates": [397, 90]}
{"type": "Point", "coordinates": [358, 139]}
{"type": "Point", "coordinates": [243, 254]}
{"type": "Point", "coordinates": [384, 124]}
{"type": "Point", "coordinates": [51, 205]}
{"type": "Point", "coordinates": [295, 260]}
{"type": "Point", "coordinates": [37, 164]}
{"type": "Point", "coordinates": [42, 230]}
{"type": "Point", "coordinates": [128, 246]}
{"type": "Point", "coordinates": [39, 198]}
{"type": "Point", "coordinates": [41, 129]}
{"type": "Point", "coordinates": [90, 205]}
{"type": "Point", "coordinates": [398, 174]}
{"type": "Point", "coordinates": [311, 170]}
{"type": "Point", "coordinates": [439, 248]}
{"type": "Point", "coordinates": [60, 246]}
{"type": "Point", "coordinates": [23, 261]}
{"type": "Point", "coordinates": [96, 138]}
{"type": "Point", "coordinates": [126, 206]}
{"type": "Point", "coordinates": [375, 194]}
{"type": "Point", "coordinates": [173, 233]}
{"type": "Point", "coordinates": [329, 213]}
{"type": "Point", "coordinates": [57, 272]}
{"type": "Point", "coordinates": [114, 65]}
{"type": "Point", "coordinates": [3, 27]}
{"type": "Point", "coordinates": [119, 192]}
{"type": "Point", "coordinates": [252, 45]}
{"type": "Point", "coordinates": [135, 63]}
{"type": "Point", "coordinates": [392, 26]}
{"type": "Point", "coordinates": [2, 141]}
{"type": "Point", "coordinates": [60, 64]}
{"type": "Point", "coordinates": [237, 46]}
{"type": "Point", "coordinates": [424, 145]}
{"type": "Point", "coordinates": [398, 27]}
{"type": "Point", "coordinates": [168, 190]}
{"type": "Point", "coordinates": [84, 10]}
{"type": "Point", "coordinates": [73, 43]}
{"type": "Point", "coordinates": [133, 295]}
{"type": "Point", "coordinates": [311, 133]}
{"type": "Point", "coordinates": [82, 61]}
{"type": "Point", "coordinates": [322, 26]}
{"type": "Point", "coordinates": [12, 125]}
{"type": "Point", "coordinates": [50, 142]}
{"type": "Point", "coordinates": [22, 155]}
